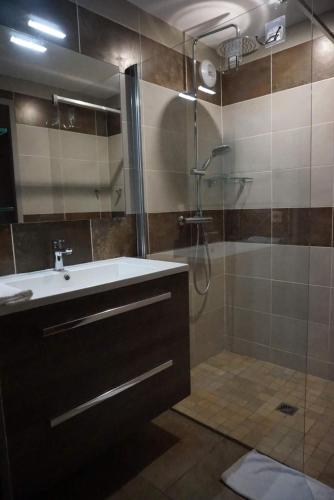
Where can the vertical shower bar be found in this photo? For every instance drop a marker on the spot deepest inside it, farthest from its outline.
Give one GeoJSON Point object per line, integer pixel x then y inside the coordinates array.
{"type": "Point", "coordinates": [136, 155]}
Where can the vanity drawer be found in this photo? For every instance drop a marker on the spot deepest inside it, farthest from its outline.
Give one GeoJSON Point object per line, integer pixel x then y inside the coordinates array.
{"type": "Point", "coordinates": [87, 383]}
{"type": "Point", "coordinates": [78, 361]}
{"type": "Point", "coordinates": [41, 455]}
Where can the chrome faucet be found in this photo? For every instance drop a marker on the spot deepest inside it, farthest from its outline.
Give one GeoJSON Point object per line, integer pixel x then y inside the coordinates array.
{"type": "Point", "coordinates": [59, 252]}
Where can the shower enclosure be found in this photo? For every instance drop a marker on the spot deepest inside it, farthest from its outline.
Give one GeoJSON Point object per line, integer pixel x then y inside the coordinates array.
{"type": "Point", "coordinates": [261, 332]}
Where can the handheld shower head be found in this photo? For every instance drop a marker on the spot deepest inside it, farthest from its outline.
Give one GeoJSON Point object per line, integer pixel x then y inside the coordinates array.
{"type": "Point", "coordinates": [222, 148]}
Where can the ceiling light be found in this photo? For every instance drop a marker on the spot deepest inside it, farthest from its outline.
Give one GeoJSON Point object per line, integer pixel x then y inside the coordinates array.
{"type": "Point", "coordinates": [187, 95]}
{"type": "Point", "coordinates": [46, 27]}
{"type": "Point", "coordinates": [206, 90]}
{"type": "Point", "coordinates": [28, 44]}
{"type": "Point", "coordinates": [67, 100]}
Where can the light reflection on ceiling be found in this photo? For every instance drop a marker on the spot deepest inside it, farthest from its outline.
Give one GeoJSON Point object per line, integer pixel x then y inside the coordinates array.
{"type": "Point", "coordinates": [198, 16]}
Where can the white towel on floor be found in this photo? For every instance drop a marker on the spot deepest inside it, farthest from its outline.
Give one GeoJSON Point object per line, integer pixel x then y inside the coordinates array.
{"type": "Point", "coordinates": [258, 477]}
{"type": "Point", "coordinates": [11, 295]}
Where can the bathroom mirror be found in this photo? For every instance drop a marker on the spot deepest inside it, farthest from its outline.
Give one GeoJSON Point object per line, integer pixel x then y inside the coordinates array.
{"type": "Point", "coordinates": [61, 143]}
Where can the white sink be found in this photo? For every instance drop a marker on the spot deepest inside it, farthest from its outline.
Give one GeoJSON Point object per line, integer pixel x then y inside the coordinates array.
{"type": "Point", "coordinates": [54, 286]}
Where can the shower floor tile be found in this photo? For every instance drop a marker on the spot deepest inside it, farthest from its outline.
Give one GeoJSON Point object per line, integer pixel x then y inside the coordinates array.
{"type": "Point", "coordinates": [238, 396]}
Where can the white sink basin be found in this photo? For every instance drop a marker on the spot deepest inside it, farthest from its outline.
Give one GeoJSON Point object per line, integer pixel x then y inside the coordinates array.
{"type": "Point", "coordinates": [54, 286]}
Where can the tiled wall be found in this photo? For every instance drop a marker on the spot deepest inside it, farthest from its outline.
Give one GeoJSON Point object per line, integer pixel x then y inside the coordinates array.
{"type": "Point", "coordinates": [278, 228]}
{"type": "Point", "coordinates": [271, 290]}
{"type": "Point", "coordinates": [168, 140]}
{"type": "Point", "coordinates": [50, 159]}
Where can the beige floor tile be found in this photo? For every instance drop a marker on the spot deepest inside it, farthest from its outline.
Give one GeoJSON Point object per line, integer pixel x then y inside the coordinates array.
{"type": "Point", "coordinates": [238, 396]}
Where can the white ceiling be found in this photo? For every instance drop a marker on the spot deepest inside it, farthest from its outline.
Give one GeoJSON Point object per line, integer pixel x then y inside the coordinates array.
{"type": "Point", "coordinates": [198, 16]}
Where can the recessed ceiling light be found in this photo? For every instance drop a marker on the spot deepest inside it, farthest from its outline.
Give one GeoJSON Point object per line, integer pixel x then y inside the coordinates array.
{"type": "Point", "coordinates": [28, 44]}
{"type": "Point", "coordinates": [46, 27]}
{"type": "Point", "coordinates": [206, 90]}
{"type": "Point", "coordinates": [187, 95]}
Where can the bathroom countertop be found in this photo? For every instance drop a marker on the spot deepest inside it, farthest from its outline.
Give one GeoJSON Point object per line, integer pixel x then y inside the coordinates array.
{"type": "Point", "coordinates": [50, 286]}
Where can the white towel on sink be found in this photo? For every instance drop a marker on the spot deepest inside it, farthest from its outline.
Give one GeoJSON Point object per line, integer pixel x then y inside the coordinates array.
{"type": "Point", "coordinates": [11, 295]}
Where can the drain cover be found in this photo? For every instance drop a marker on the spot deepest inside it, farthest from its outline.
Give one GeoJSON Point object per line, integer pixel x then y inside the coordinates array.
{"type": "Point", "coordinates": [287, 409]}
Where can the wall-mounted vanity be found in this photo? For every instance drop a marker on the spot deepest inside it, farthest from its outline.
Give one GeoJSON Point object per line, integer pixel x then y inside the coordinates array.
{"type": "Point", "coordinates": [81, 366]}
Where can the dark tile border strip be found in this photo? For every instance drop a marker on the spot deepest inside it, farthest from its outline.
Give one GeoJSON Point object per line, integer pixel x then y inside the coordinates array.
{"type": "Point", "coordinates": [248, 225]}
{"type": "Point", "coordinates": [286, 226]}
{"type": "Point", "coordinates": [307, 62]}
{"type": "Point", "coordinates": [166, 234]}
{"type": "Point", "coordinates": [96, 239]}
{"type": "Point", "coordinates": [6, 250]}
{"type": "Point", "coordinates": [33, 243]}
{"type": "Point", "coordinates": [303, 226]}
{"type": "Point", "coordinates": [38, 112]}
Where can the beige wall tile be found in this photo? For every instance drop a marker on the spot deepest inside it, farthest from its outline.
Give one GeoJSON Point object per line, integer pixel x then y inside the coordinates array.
{"type": "Point", "coordinates": [291, 148]}
{"type": "Point", "coordinates": [322, 101]}
{"type": "Point", "coordinates": [291, 108]}
{"type": "Point", "coordinates": [291, 188]}
{"type": "Point", "coordinates": [81, 182]}
{"type": "Point", "coordinates": [166, 192]}
{"type": "Point", "coordinates": [77, 146]}
{"type": "Point", "coordinates": [247, 118]}
{"type": "Point", "coordinates": [248, 259]}
{"type": "Point", "coordinates": [254, 194]}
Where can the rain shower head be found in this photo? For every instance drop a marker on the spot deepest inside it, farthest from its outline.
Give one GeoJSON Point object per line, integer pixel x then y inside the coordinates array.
{"type": "Point", "coordinates": [234, 49]}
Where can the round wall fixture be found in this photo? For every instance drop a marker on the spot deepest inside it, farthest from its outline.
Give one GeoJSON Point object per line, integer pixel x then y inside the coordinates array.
{"type": "Point", "coordinates": [208, 73]}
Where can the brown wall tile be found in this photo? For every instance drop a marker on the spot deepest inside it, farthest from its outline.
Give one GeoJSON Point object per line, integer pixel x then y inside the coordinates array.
{"type": "Point", "coordinates": [298, 65]}
{"type": "Point", "coordinates": [321, 226]}
{"type": "Point", "coordinates": [165, 233]}
{"type": "Point", "coordinates": [35, 111]}
{"type": "Point", "coordinates": [292, 67]}
{"type": "Point", "coordinates": [43, 217]}
{"type": "Point", "coordinates": [39, 112]}
{"type": "Point", "coordinates": [163, 66]}
{"type": "Point", "coordinates": [303, 226]}
{"type": "Point", "coordinates": [33, 243]}
{"type": "Point", "coordinates": [249, 81]}
{"type": "Point", "coordinates": [6, 252]}
{"type": "Point", "coordinates": [114, 237]}
{"type": "Point", "coordinates": [291, 226]}
{"type": "Point", "coordinates": [241, 225]}
{"type": "Point", "coordinates": [75, 119]}
{"type": "Point", "coordinates": [171, 69]}
{"type": "Point", "coordinates": [215, 229]}
{"type": "Point", "coordinates": [107, 41]}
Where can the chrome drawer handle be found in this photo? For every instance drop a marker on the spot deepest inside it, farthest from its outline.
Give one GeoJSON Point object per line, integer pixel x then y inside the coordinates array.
{"type": "Point", "coordinates": [109, 394]}
{"type": "Point", "coordinates": [115, 311]}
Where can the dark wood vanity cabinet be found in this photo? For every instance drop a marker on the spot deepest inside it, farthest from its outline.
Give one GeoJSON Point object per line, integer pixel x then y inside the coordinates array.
{"type": "Point", "coordinates": [79, 375]}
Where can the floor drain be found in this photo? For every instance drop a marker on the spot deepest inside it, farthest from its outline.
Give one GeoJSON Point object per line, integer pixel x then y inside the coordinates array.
{"type": "Point", "coordinates": [287, 409]}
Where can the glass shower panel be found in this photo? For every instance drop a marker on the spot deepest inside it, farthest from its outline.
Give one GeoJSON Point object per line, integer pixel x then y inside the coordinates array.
{"type": "Point", "coordinates": [263, 205]}
{"type": "Point", "coordinates": [267, 197]}
{"type": "Point", "coordinates": [319, 440]}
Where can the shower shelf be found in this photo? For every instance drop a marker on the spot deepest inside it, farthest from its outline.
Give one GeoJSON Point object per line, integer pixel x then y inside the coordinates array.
{"type": "Point", "coordinates": [228, 179]}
